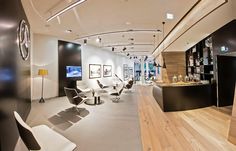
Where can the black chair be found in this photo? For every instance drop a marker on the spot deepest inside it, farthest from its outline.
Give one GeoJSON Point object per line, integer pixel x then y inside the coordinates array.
{"type": "Point", "coordinates": [117, 95]}
{"type": "Point", "coordinates": [129, 85]}
{"type": "Point", "coordinates": [74, 97]}
{"type": "Point", "coordinates": [102, 86]}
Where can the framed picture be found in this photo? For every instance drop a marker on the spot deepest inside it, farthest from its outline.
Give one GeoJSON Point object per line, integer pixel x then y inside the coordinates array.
{"type": "Point", "coordinates": [94, 71]}
{"type": "Point", "coordinates": [131, 71]}
{"type": "Point", "coordinates": [126, 72]}
{"type": "Point", "coordinates": [107, 70]}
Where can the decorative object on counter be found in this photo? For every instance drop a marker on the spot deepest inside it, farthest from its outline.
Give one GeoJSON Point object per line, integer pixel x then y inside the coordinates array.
{"type": "Point", "coordinates": [42, 72]}
{"type": "Point", "coordinates": [186, 79]}
{"type": "Point", "coordinates": [174, 79]}
{"type": "Point", "coordinates": [180, 78]}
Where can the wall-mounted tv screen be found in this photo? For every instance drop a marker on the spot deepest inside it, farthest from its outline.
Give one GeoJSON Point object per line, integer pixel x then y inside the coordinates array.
{"type": "Point", "coordinates": [73, 71]}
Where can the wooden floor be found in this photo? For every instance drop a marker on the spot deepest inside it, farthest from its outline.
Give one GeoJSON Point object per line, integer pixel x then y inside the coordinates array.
{"type": "Point", "coordinates": [203, 129]}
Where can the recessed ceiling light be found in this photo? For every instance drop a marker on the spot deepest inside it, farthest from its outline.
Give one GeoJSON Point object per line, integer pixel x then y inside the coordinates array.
{"type": "Point", "coordinates": [127, 23]}
{"type": "Point", "coordinates": [169, 16]}
{"type": "Point", "coordinates": [68, 31]}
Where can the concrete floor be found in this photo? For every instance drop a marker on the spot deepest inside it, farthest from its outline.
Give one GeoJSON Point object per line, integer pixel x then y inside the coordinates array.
{"type": "Point", "coordinates": [106, 127]}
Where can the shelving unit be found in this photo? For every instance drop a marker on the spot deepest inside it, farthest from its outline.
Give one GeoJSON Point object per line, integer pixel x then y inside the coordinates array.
{"type": "Point", "coordinates": [199, 60]}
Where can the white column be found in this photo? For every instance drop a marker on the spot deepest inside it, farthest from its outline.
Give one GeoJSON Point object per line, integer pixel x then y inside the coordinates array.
{"type": "Point", "coordinates": [147, 68]}
{"type": "Point", "coordinates": [142, 70]}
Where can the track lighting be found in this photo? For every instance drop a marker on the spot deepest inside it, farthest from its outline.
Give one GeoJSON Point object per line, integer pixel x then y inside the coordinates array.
{"type": "Point", "coordinates": [85, 41]}
{"type": "Point", "coordinates": [99, 40]}
{"type": "Point", "coordinates": [128, 54]}
{"type": "Point", "coordinates": [113, 49]}
{"type": "Point", "coordinates": [124, 48]}
{"type": "Point", "coordinates": [154, 64]}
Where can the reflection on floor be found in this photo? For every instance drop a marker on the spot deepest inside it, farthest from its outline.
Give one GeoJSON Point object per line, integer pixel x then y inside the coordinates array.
{"type": "Point", "coordinates": [203, 129]}
{"type": "Point", "coordinates": [106, 127]}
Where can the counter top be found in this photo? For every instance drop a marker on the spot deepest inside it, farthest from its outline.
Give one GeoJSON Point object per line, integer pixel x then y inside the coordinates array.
{"type": "Point", "coordinates": [180, 84]}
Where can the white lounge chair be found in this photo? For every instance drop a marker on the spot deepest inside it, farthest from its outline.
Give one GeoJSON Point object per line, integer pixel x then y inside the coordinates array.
{"type": "Point", "coordinates": [42, 138]}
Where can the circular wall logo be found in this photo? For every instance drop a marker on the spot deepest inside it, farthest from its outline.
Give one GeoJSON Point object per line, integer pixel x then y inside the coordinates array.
{"type": "Point", "coordinates": [24, 40]}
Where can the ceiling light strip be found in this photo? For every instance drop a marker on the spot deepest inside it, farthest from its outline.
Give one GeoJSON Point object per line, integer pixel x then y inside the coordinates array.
{"type": "Point", "coordinates": [192, 26]}
{"type": "Point", "coordinates": [154, 52]}
{"type": "Point", "coordinates": [120, 31]}
{"type": "Point", "coordinates": [122, 45]}
{"type": "Point", "coordinates": [176, 25]}
{"type": "Point", "coordinates": [65, 9]}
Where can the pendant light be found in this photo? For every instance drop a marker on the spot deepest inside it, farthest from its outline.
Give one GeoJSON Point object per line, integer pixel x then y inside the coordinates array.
{"type": "Point", "coordinates": [158, 65]}
{"type": "Point", "coordinates": [163, 34]}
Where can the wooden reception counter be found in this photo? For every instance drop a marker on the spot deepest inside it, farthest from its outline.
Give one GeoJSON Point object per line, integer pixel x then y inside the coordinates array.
{"type": "Point", "coordinates": [179, 97]}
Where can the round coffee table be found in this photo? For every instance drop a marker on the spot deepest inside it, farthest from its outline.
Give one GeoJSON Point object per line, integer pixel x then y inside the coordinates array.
{"type": "Point", "coordinates": [94, 100]}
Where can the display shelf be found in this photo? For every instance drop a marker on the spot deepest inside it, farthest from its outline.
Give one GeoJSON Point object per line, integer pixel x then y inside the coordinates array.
{"type": "Point", "coordinates": [199, 60]}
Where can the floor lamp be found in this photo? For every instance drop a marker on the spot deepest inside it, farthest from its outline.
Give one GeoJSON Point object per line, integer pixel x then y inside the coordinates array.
{"type": "Point", "coordinates": [42, 72]}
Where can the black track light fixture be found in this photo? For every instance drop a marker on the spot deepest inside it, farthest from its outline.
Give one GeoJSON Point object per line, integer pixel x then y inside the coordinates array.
{"type": "Point", "coordinates": [158, 65]}
{"type": "Point", "coordinates": [154, 64]}
{"type": "Point", "coordinates": [124, 48]}
{"type": "Point", "coordinates": [85, 41]}
{"type": "Point", "coordinates": [128, 54]}
{"type": "Point", "coordinates": [99, 40]}
{"type": "Point", "coordinates": [112, 49]}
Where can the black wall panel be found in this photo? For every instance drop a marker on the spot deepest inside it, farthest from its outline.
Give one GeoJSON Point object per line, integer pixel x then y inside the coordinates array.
{"type": "Point", "coordinates": [224, 66]}
{"type": "Point", "coordinates": [226, 79]}
{"type": "Point", "coordinates": [69, 55]}
{"type": "Point", "coordinates": [14, 73]}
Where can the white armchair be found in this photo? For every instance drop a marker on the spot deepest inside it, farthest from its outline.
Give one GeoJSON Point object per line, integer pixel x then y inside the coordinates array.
{"type": "Point", "coordinates": [82, 87]}
{"type": "Point", "coordinates": [42, 138]}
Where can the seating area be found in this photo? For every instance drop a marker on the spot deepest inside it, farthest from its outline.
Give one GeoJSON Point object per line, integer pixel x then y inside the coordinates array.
{"type": "Point", "coordinates": [121, 75]}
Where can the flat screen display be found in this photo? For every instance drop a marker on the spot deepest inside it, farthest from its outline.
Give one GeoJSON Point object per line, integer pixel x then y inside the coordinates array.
{"type": "Point", "coordinates": [73, 71]}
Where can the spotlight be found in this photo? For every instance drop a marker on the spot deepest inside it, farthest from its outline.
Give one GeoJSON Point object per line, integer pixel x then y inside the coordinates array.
{"type": "Point", "coordinates": [154, 64]}
{"type": "Point", "coordinates": [113, 49]}
{"type": "Point", "coordinates": [99, 40]}
{"type": "Point", "coordinates": [146, 57]}
{"type": "Point", "coordinates": [130, 57]}
{"type": "Point", "coordinates": [128, 54]}
{"type": "Point", "coordinates": [124, 48]}
{"type": "Point", "coordinates": [85, 41]}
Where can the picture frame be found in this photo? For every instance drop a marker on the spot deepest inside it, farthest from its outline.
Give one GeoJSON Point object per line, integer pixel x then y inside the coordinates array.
{"type": "Point", "coordinates": [107, 70]}
{"type": "Point", "coordinates": [94, 71]}
{"type": "Point", "coordinates": [125, 71]}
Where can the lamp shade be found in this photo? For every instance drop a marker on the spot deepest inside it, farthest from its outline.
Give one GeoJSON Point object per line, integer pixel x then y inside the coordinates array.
{"type": "Point", "coordinates": [43, 72]}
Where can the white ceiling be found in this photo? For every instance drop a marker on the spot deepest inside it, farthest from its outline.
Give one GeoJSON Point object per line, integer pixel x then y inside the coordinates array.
{"type": "Point", "coordinates": [99, 16]}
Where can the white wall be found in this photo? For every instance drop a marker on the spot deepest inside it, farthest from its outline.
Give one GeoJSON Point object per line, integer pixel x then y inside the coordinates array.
{"type": "Point", "coordinates": [94, 55]}
{"type": "Point", "coordinates": [45, 55]}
